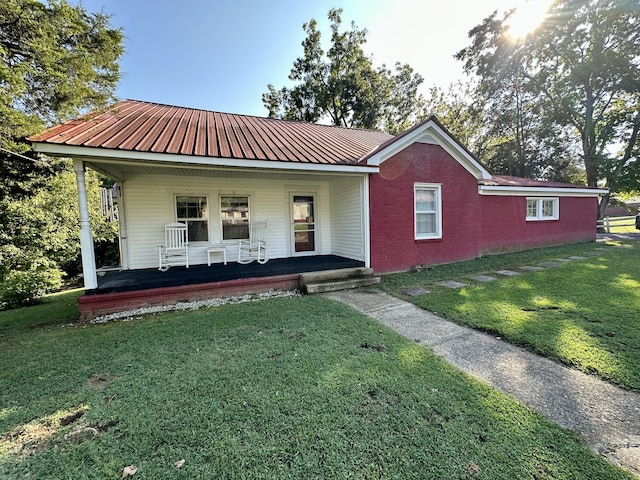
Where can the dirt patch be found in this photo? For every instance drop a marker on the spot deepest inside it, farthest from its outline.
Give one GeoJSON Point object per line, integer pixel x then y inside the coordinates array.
{"type": "Point", "coordinates": [99, 381]}
{"type": "Point", "coordinates": [86, 431]}
{"type": "Point", "coordinates": [378, 347]}
{"type": "Point", "coordinates": [72, 417]}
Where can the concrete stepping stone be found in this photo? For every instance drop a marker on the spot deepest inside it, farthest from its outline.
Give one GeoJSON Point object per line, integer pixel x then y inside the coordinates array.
{"type": "Point", "coordinates": [563, 259]}
{"type": "Point", "coordinates": [577, 257]}
{"type": "Point", "coordinates": [414, 292]}
{"type": "Point", "coordinates": [507, 273]}
{"type": "Point", "coordinates": [453, 284]}
{"type": "Point", "coordinates": [549, 264]}
{"type": "Point", "coordinates": [531, 268]}
{"type": "Point", "coordinates": [483, 278]}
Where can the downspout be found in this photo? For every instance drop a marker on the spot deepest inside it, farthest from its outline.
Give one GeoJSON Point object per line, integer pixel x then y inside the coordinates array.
{"type": "Point", "coordinates": [86, 236]}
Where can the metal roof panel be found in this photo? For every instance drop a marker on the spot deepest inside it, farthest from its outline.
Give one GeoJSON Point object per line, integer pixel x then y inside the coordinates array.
{"type": "Point", "coordinates": [134, 125]}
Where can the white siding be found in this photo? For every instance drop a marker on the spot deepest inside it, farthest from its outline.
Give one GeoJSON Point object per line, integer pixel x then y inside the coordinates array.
{"type": "Point", "coordinates": [347, 218]}
{"type": "Point", "coordinates": [150, 203]}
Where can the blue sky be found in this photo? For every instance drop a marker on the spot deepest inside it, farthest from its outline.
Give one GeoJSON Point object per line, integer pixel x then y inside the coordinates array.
{"type": "Point", "coordinates": [221, 55]}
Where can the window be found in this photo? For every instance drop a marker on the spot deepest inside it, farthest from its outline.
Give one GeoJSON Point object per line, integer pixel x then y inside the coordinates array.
{"type": "Point", "coordinates": [542, 209]}
{"type": "Point", "coordinates": [428, 211]}
{"type": "Point", "coordinates": [234, 212]}
{"type": "Point", "coordinates": [193, 211]}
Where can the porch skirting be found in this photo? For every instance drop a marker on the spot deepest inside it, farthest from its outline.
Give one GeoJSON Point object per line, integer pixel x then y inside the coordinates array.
{"type": "Point", "coordinates": [93, 306]}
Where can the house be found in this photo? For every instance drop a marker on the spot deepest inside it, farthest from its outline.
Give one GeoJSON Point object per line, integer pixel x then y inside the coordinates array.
{"type": "Point", "coordinates": [384, 202]}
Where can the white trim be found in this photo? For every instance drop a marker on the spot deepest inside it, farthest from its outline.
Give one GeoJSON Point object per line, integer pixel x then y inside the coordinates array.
{"type": "Point", "coordinates": [438, 211]}
{"type": "Point", "coordinates": [539, 215]}
{"type": "Point", "coordinates": [431, 132]}
{"type": "Point", "coordinates": [544, 191]}
{"type": "Point", "coordinates": [367, 222]}
{"type": "Point", "coordinates": [172, 158]}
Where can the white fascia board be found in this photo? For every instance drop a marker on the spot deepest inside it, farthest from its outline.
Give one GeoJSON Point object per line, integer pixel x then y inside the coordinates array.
{"type": "Point", "coordinates": [441, 138]}
{"type": "Point", "coordinates": [539, 191]}
{"type": "Point", "coordinates": [170, 158]}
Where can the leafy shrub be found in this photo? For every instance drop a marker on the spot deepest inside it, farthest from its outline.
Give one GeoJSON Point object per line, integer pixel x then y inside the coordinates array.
{"type": "Point", "coordinates": [25, 287]}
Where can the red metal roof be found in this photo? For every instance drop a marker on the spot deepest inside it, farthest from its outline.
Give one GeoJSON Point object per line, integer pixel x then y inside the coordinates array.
{"type": "Point", "coordinates": [150, 127]}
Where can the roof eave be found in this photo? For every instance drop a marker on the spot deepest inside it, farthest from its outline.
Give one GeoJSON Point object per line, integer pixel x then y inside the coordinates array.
{"type": "Point", "coordinates": [420, 133]}
{"type": "Point", "coordinates": [93, 153]}
{"type": "Point", "coordinates": [511, 190]}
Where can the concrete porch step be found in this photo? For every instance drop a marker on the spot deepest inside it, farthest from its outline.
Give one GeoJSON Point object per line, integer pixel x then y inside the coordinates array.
{"type": "Point", "coordinates": [333, 280]}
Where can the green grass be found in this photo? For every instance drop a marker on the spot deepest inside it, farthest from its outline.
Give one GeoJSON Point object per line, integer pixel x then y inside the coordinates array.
{"type": "Point", "coordinates": [581, 313]}
{"type": "Point", "coordinates": [284, 388]}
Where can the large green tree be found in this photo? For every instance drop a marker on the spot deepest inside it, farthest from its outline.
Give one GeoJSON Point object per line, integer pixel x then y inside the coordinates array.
{"type": "Point", "coordinates": [343, 86]}
{"type": "Point", "coordinates": [56, 61]}
{"type": "Point", "coordinates": [570, 90]}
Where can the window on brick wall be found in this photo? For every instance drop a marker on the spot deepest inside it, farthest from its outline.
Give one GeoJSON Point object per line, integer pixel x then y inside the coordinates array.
{"type": "Point", "coordinates": [543, 208]}
{"type": "Point", "coordinates": [427, 210]}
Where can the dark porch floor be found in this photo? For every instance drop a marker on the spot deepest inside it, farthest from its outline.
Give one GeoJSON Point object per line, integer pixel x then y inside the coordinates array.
{"type": "Point", "coordinates": [131, 280]}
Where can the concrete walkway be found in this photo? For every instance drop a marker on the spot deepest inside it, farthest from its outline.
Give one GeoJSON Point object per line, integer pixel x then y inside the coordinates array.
{"type": "Point", "coordinates": [607, 417]}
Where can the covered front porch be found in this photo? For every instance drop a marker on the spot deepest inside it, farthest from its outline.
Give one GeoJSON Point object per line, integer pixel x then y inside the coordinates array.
{"type": "Point", "coordinates": [126, 290]}
{"type": "Point", "coordinates": [136, 280]}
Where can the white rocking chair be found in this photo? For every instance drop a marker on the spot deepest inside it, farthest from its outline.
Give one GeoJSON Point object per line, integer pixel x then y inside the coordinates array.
{"type": "Point", "coordinates": [256, 247]}
{"type": "Point", "coordinates": [175, 251]}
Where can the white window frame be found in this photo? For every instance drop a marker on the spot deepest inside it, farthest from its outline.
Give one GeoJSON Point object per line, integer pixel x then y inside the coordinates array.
{"type": "Point", "coordinates": [220, 197]}
{"type": "Point", "coordinates": [437, 189]}
{"type": "Point", "coordinates": [186, 220]}
{"type": "Point", "coordinates": [539, 213]}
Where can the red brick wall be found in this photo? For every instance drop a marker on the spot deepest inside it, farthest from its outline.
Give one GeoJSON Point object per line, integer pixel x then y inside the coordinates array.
{"type": "Point", "coordinates": [472, 224]}
{"type": "Point", "coordinates": [504, 227]}
{"type": "Point", "coordinates": [393, 247]}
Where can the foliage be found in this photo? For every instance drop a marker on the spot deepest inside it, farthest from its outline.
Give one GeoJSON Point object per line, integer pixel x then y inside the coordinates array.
{"type": "Point", "coordinates": [285, 388]}
{"type": "Point", "coordinates": [343, 85]}
{"type": "Point", "coordinates": [458, 111]}
{"type": "Point", "coordinates": [56, 61]}
{"type": "Point", "coordinates": [556, 312]}
{"type": "Point", "coordinates": [571, 90]}
{"type": "Point", "coordinates": [26, 286]}
{"type": "Point", "coordinates": [43, 228]}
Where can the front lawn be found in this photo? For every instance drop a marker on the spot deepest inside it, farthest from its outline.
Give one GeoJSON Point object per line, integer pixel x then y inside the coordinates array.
{"type": "Point", "coordinates": [583, 313]}
{"type": "Point", "coordinates": [284, 388]}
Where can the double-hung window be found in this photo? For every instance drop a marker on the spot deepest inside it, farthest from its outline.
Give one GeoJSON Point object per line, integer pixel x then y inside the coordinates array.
{"type": "Point", "coordinates": [543, 208]}
{"type": "Point", "coordinates": [427, 210]}
{"type": "Point", "coordinates": [234, 213]}
{"type": "Point", "coordinates": [193, 211]}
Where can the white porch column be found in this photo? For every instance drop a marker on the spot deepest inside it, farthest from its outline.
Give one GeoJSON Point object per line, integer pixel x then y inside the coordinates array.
{"type": "Point", "coordinates": [86, 237]}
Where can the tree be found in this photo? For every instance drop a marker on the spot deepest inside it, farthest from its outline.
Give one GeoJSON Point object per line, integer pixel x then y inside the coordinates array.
{"type": "Point", "coordinates": [56, 61]}
{"type": "Point", "coordinates": [343, 85]}
{"type": "Point", "coordinates": [457, 109]}
{"type": "Point", "coordinates": [570, 90]}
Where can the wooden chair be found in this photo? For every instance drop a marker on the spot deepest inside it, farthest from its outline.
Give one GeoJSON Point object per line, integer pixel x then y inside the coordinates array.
{"type": "Point", "coordinates": [256, 247]}
{"type": "Point", "coordinates": [175, 251]}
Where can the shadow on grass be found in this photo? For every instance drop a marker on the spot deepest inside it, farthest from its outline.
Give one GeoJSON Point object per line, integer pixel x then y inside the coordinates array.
{"type": "Point", "coordinates": [582, 313]}
{"type": "Point", "coordinates": [55, 309]}
{"type": "Point", "coordinates": [286, 388]}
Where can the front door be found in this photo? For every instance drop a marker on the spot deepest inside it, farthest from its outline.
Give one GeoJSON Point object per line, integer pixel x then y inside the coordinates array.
{"type": "Point", "coordinates": [303, 224]}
